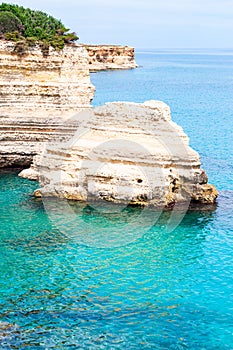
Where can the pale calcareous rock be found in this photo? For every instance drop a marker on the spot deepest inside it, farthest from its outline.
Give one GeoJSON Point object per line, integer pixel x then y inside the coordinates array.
{"type": "Point", "coordinates": [102, 57]}
{"type": "Point", "coordinates": [37, 94]}
{"type": "Point", "coordinates": [125, 153]}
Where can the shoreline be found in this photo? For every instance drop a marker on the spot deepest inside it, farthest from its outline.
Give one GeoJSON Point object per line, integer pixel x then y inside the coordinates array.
{"type": "Point", "coordinates": [110, 57]}
{"type": "Point", "coordinates": [179, 207]}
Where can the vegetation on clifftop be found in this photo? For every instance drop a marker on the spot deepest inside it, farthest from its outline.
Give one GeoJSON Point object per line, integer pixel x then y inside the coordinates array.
{"type": "Point", "coordinates": [27, 28]}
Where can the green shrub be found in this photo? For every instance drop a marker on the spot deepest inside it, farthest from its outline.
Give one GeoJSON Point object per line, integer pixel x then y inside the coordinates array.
{"type": "Point", "coordinates": [57, 42]}
{"type": "Point", "coordinates": [31, 41]}
{"type": "Point", "coordinates": [45, 45]}
{"type": "Point", "coordinates": [17, 23]}
{"type": "Point", "coordinates": [21, 47]}
{"type": "Point", "coordinates": [14, 36]}
{"type": "Point", "coordinates": [70, 37]}
{"type": "Point", "coordinates": [9, 22]}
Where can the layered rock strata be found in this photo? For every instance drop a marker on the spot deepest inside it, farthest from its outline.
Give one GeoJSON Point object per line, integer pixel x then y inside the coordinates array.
{"type": "Point", "coordinates": [124, 153]}
{"type": "Point", "coordinates": [102, 57]}
{"type": "Point", "coordinates": [36, 94]}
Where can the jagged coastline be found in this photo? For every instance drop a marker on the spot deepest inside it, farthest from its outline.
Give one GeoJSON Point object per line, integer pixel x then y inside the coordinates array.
{"type": "Point", "coordinates": [38, 97]}
{"type": "Point", "coordinates": [104, 57]}
{"type": "Point", "coordinates": [37, 93]}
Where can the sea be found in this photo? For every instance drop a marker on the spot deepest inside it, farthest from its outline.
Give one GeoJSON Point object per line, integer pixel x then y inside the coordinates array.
{"type": "Point", "coordinates": [160, 289]}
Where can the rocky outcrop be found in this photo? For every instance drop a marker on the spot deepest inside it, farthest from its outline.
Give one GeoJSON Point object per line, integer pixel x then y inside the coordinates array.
{"type": "Point", "coordinates": [102, 57]}
{"type": "Point", "coordinates": [36, 94]}
{"type": "Point", "coordinates": [124, 153]}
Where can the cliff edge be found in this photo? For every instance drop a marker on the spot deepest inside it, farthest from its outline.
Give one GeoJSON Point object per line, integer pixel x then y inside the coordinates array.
{"type": "Point", "coordinates": [124, 153]}
{"type": "Point", "coordinates": [103, 57]}
{"type": "Point", "coordinates": [36, 94]}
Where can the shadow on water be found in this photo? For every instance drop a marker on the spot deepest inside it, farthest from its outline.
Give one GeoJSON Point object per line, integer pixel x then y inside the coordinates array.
{"type": "Point", "coordinates": [27, 223]}
{"type": "Point", "coordinates": [103, 222]}
{"type": "Point", "coordinates": [25, 218]}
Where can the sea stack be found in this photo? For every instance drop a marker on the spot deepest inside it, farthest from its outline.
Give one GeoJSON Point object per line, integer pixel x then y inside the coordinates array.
{"type": "Point", "coordinates": [124, 153]}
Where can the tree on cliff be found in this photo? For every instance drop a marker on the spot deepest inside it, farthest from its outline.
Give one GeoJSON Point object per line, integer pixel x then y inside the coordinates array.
{"type": "Point", "coordinates": [27, 27]}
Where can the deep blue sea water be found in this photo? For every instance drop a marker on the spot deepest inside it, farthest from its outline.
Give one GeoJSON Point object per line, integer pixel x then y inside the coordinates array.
{"type": "Point", "coordinates": [163, 291]}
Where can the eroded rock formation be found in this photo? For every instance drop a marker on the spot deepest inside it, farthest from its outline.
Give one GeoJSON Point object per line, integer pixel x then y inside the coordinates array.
{"type": "Point", "coordinates": [103, 57]}
{"type": "Point", "coordinates": [36, 94]}
{"type": "Point", "coordinates": [124, 153]}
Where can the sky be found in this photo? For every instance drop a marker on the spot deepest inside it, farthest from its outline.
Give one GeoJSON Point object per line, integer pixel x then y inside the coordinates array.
{"type": "Point", "coordinates": [145, 23]}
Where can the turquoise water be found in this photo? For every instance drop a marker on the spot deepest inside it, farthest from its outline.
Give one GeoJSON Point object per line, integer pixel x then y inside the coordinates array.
{"type": "Point", "coordinates": [163, 291]}
{"type": "Point", "coordinates": [198, 86]}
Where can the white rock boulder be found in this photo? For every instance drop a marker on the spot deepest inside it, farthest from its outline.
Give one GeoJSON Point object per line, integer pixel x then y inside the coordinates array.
{"type": "Point", "coordinates": [125, 153]}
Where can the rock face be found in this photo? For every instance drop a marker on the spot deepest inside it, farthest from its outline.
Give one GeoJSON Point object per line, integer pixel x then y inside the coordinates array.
{"type": "Point", "coordinates": [124, 153]}
{"type": "Point", "coordinates": [36, 94]}
{"type": "Point", "coordinates": [102, 57]}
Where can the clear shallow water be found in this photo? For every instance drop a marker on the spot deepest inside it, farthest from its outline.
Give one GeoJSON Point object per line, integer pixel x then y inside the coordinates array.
{"type": "Point", "coordinates": [164, 291]}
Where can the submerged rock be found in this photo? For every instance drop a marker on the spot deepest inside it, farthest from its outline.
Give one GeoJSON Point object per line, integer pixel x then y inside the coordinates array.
{"type": "Point", "coordinates": [125, 153]}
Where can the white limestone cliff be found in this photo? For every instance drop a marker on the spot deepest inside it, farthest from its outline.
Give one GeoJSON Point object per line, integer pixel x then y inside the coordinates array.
{"type": "Point", "coordinates": [36, 94]}
{"type": "Point", "coordinates": [124, 153]}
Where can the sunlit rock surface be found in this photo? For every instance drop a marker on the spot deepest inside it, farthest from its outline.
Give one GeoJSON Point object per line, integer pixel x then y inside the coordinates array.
{"type": "Point", "coordinates": [102, 57]}
{"type": "Point", "coordinates": [124, 153]}
{"type": "Point", "coordinates": [37, 94]}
